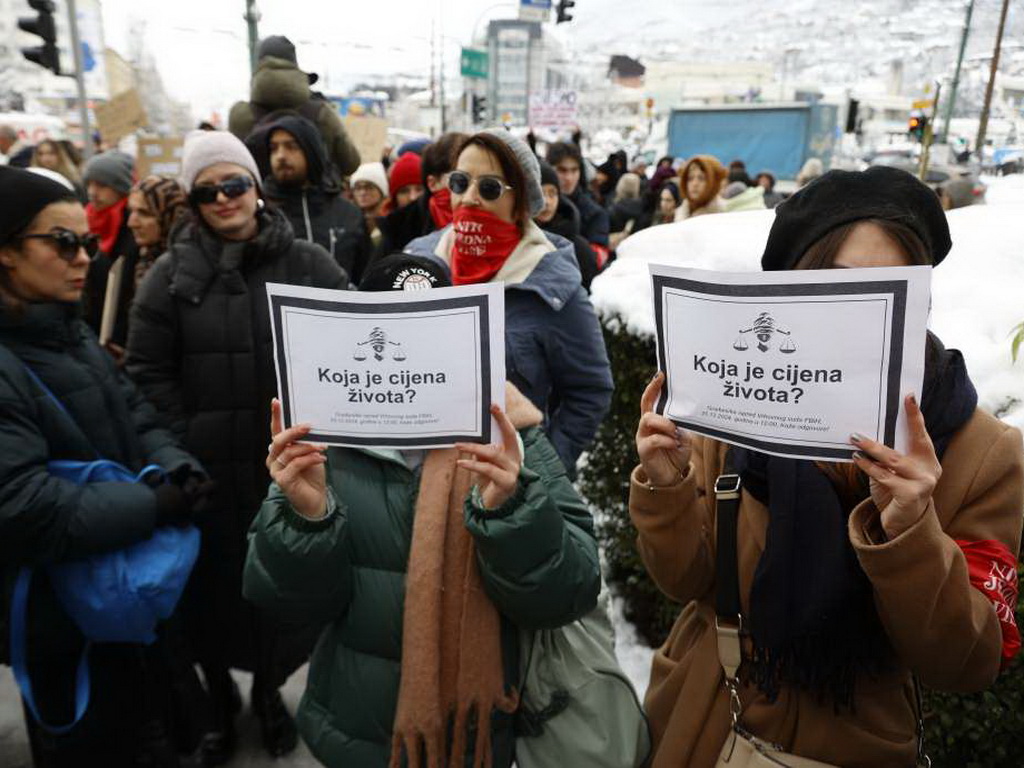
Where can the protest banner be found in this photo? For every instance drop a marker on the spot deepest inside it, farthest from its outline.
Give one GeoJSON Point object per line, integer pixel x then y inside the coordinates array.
{"type": "Point", "coordinates": [160, 156]}
{"type": "Point", "coordinates": [120, 116]}
{"type": "Point", "coordinates": [555, 109]}
{"type": "Point", "coordinates": [792, 363]}
{"type": "Point", "coordinates": [396, 369]}
{"type": "Point", "coordinates": [369, 134]}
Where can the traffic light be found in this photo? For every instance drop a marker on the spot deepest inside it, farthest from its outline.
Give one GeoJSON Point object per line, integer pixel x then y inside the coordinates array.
{"type": "Point", "coordinates": [917, 126]}
{"type": "Point", "coordinates": [479, 109]}
{"type": "Point", "coordinates": [564, 8]}
{"type": "Point", "coordinates": [45, 55]}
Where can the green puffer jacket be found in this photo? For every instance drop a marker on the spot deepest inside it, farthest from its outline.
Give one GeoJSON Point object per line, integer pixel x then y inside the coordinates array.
{"type": "Point", "coordinates": [280, 85]}
{"type": "Point", "coordinates": [538, 561]}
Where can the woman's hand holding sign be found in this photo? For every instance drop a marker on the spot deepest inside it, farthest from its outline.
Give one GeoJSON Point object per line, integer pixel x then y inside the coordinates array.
{"type": "Point", "coordinates": [901, 485]}
{"type": "Point", "coordinates": [298, 468]}
{"type": "Point", "coordinates": [664, 448]}
{"type": "Point", "coordinates": [497, 465]}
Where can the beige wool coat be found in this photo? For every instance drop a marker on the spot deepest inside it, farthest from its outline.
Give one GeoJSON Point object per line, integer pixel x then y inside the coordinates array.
{"type": "Point", "coordinates": [942, 629]}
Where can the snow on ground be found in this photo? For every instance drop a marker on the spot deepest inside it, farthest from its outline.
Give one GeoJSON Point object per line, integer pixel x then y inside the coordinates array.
{"type": "Point", "coordinates": [976, 291]}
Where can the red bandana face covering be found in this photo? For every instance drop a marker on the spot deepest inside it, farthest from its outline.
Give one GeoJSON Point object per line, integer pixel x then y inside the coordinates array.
{"type": "Point", "coordinates": [482, 244]}
{"type": "Point", "coordinates": [441, 208]}
{"type": "Point", "coordinates": [106, 223]}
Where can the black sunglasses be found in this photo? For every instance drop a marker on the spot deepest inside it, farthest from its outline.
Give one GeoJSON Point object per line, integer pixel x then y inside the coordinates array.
{"type": "Point", "coordinates": [489, 187]}
{"type": "Point", "coordinates": [205, 194]}
{"type": "Point", "coordinates": [68, 242]}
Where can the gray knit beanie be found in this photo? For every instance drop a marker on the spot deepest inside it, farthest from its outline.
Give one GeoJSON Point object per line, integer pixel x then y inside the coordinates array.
{"type": "Point", "coordinates": [530, 165]}
{"type": "Point", "coordinates": [112, 169]}
{"type": "Point", "coordinates": [206, 148]}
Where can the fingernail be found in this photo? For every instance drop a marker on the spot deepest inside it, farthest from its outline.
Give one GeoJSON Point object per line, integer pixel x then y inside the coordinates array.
{"type": "Point", "coordinates": [679, 433]}
{"type": "Point", "coordinates": [857, 437]}
{"type": "Point", "coordinates": [858, 455]}
{"type": "Point", "coordinates": [913, 398]}
{"type": "Point", "coordinates": [304, 425]}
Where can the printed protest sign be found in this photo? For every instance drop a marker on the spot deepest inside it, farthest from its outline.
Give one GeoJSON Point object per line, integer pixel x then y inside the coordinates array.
{"type": "Point", "coordinates": [398, 369]}
{"type": "Point", "coordinates": [792, 363]}
{"type": "Point", "coordinates": [555, 109]}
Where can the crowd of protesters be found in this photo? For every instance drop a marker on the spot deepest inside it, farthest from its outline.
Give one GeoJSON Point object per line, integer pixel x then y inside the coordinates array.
{"type": "Point", "coordinates": [134, 326]}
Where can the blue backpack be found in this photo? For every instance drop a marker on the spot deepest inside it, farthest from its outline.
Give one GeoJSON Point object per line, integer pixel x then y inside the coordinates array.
{"type": "Point", "coordinates": [114, 597]}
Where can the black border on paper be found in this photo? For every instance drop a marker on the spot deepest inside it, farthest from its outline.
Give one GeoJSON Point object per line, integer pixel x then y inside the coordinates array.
{"type": "Point", "coordinates": [480, 303]}
{"type": "Point", "coordinates": [897, 289]}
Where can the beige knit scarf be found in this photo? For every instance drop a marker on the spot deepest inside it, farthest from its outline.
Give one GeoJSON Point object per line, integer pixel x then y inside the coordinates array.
{"type": "Point", "coordinates": [452, 671]}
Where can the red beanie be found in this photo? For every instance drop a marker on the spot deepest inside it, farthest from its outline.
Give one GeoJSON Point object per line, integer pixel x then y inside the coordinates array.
{"type": "Point", "coordinates": [404, 171]}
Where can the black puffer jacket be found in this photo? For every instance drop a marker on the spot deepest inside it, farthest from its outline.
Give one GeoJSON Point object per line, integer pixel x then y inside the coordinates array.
{"type": "Point", "coordinates": [200, 347]}
{"type": "Point", "coordinates": [566, 222]}
{"type": "Point", "coordinates": [44, 519]}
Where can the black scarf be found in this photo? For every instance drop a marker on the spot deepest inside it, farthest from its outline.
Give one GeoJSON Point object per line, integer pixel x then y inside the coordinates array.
{"type": "Point", "coordinates": [812, 612]}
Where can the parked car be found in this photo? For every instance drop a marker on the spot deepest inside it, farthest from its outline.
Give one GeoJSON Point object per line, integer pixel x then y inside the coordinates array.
{"type": "Point", "coordinates": [956, 185]}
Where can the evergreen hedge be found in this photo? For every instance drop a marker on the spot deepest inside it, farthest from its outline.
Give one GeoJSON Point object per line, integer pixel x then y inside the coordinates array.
{"type": "Point", "coordinates": [981, 730]}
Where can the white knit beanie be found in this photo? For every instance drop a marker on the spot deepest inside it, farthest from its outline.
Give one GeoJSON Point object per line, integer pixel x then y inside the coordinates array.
{"type": "Point", "coordinates": [373, 173]}
{"type": "Point", "coordinates": [206, 148]}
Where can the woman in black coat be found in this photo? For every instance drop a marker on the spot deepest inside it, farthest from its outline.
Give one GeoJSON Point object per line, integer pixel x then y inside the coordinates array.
{"type": "Point", "coordinates": [45, 251]}
{"type": "Point", "coordinates": [200, 348]}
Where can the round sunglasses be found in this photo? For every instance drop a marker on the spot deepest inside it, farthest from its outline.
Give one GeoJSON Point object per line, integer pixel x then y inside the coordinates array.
{"type": "Point", "coordinates": [69, 242]}
{"type": "Point", "coordinates": [489, 187]}
{"type": "Point", "coordinates": [204, 194]}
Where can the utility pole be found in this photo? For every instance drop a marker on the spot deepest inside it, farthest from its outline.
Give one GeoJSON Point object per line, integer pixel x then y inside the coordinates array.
{"type": "Point", "coordinates": [252, 19]}
{"type": "Point", "coordinates": [440, 66]}
{"type": "Point", "coordinates": [926, 140]}
{"type": "Point", "coordinates": [83, 107]}
{"type": "Point", "coordinates": [944, 137]}
{"type": "Point", "coordinates": [983, 123]}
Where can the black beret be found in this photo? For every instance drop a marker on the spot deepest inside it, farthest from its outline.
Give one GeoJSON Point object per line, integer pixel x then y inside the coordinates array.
{"type": "Point", "coordinates": [840, 197]}
{"type": "Point", "coordinates": [23, 194]}
{"type": "Point", "coordinates": [403, 272]}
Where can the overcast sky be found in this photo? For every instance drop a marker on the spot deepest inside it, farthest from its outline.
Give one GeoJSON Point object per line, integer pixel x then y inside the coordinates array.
{"type": "Point", "coordinates": [201, 47]}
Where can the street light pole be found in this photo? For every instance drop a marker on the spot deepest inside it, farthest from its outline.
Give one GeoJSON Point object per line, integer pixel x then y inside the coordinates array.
{"type": "Point", "coordinates": [956, 75]}
{"type": "Point", "coordinates": [983, 122]}
{"type": "Point", "coordinates": [252, 18]}
{"type": "Point", "coordinates": [83, 107]}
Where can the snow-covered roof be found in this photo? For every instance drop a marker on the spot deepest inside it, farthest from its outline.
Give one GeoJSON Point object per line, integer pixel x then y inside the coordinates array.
{"type": "Point", "coordinates": [976, 292]}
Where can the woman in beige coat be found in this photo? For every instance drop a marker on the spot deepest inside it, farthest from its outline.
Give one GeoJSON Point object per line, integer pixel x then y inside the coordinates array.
{"type": "Point", "coordinates": [854, 577]}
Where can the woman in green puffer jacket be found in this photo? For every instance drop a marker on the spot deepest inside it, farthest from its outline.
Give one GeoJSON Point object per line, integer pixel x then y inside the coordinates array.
{"type": "Point", "coordinates": [423, 584]}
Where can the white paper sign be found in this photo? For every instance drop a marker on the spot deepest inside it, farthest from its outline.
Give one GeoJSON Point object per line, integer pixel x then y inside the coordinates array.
{"type": "Point", "coordinates": [396, 369]}
{"type": "Point", "coordinates": [792, 363]}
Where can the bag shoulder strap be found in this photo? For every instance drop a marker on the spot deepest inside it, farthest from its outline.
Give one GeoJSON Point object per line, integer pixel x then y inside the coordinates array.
{"type": "Point", "coordinates": [60, 406]}
{"type": "Point", "coordinates": [19, 659]}
{"type": "Point", "coordinates": [728, 608]}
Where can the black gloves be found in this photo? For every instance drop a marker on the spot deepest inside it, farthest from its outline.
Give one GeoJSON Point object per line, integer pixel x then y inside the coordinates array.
{"type": "Point", "coordinates": [185, 498]}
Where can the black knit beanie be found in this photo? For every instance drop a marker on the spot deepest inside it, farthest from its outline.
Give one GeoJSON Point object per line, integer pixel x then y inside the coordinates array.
{"type": "Point", "coordinates": [841, 197]}
{"type": "Point", "coordinates": [23, 195]}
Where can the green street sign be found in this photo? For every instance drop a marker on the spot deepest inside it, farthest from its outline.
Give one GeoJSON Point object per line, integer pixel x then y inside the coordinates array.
{"type": "Point", "coordinates": [474, 63]}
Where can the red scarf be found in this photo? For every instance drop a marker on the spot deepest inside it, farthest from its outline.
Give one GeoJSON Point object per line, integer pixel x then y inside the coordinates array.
{"type": "Point", "coordinates": [482, 244]}
{"type": "Point", "coordinates": [441, 208]}
{"type": "Point", "coordinates": [106, 223]}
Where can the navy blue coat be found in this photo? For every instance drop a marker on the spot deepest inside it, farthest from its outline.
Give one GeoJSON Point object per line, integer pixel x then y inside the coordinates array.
{"type": "Point", "coordinates": [594, 221]}
{"type": "Point", "coordinates": [554, 350]}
